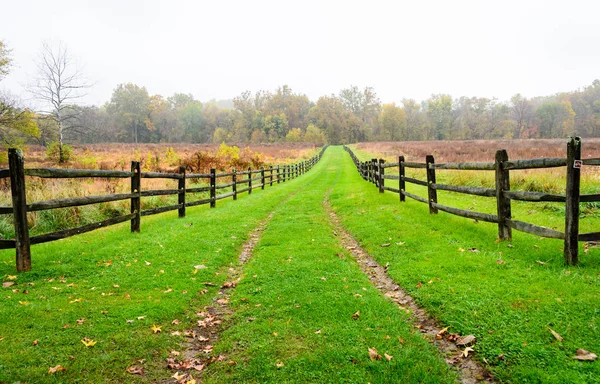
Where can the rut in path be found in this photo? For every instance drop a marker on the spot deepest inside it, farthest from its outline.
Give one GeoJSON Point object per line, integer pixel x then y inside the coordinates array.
{"type": "Point", "coordinates": [470, 370]}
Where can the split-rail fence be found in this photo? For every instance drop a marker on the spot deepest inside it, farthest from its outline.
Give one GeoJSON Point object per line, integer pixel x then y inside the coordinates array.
{"type": "Point", "coordinates": [249, 180]}
{"type": "Point", "coordinates": [374, 171]}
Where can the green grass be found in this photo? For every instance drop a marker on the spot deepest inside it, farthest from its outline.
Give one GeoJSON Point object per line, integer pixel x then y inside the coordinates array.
{"type": "Point", "coordinates": [509, 305]}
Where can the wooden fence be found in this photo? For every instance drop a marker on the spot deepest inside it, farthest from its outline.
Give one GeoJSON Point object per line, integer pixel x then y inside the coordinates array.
{"type": "Point", "coordinates": [250, 180]}
{"type": "Point", "coordinates": [374, 171]}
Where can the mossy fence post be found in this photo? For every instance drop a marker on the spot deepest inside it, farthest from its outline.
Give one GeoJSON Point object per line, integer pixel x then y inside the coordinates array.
{"type": "Point", "coordinates": [249, 180]}
{"type": "Point", "coordinates": [431, 191]}
{"type": "Point", "coordinates": [136, 182]}
{"type": "Point", "coordinates": [270, 175]}
{"type": "Point", "coordinates": [278, 175]}
{"type": "Point", "coordinates": [262, 177]}
{"type": "Point", "coordinates": [234, 182]}
{"type": "Point", "coordinates": [181, 187]}
{"type": "Point", "coordinates": [572, 205]}
{"type": "Point", "coordinates": [381, 173]}
{"type": "Point", "coordinates": [503, 202]}
{"type": "Point", "coordinates": [17, 187]}
{"type": "Point", "coordinates": [213, 191]}
{"type": "Point", "coordinates": [401, 182]}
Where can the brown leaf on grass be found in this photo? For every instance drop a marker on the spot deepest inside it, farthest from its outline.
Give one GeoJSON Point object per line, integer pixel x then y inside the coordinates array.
{"type": "Point", "coordinates": [373, 355]}
{"type": "Point", "coordinates": [556, 335]}
{"type": "Point", "coordinates": [584, 355]}
{"type": "Point", "coordinates": [401, 340]}
{"type": "Point", "coordinates": [229, 284]}
{"type": "Point", "coordinates": [204, 291]}
{"type": "Point", "coordinates": [465, 340]}
{"type": "Point", "coordinates": [500, 261]}
{"type": "Point", "coordinates": [441, 333]}
{"type": "Point", "coordinates": [80, 321]}
{"type": "Point", "coordinates": [356, 315]}
{"type": "Point", "coordinates": [135, 370]}
{"type": "Point", "coordinates": [419, 285]}
{"type": "Point", "coordinates": [35, 342]}
{"type": "Point", "coordinates": [53, 370]}
{"type": "Point", "coordinates": [209, 284]}
{"type": "Point", "coordinates": [175, 322]}
{"type": "Point", "coordinates": [388, 357]}
{"type": "Point", "coordinates": [7, 284]}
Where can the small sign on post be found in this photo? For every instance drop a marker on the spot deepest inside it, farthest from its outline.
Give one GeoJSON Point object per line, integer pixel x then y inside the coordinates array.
{"type": "Point", "coordinates": [578, 164]}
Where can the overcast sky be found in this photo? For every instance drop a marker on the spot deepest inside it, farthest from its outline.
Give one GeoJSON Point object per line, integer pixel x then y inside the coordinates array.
{"type": "Point", "coordinates": [404, 49]}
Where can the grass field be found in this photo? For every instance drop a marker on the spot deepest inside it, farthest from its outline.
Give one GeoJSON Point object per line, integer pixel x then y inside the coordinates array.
{"type": "Point", "coordinates": [292, 310]}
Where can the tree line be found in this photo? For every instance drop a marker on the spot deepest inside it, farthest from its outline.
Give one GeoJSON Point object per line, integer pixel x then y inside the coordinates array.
{"type": "Point", "coordinates": [133, 115]}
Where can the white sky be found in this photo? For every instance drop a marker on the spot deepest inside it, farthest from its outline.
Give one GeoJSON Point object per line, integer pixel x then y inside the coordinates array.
{"type": "Point", "coordinates": [404, 49]}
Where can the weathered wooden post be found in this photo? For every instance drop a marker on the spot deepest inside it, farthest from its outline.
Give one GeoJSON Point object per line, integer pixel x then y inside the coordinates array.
{"type": "Point", "coordinates": [374, 169]}
{"type": "Point", "coordinates": [262, 177]}
{"type": "Point", "coordinates": [136, 182]}
{"type": "Point", "coordinates": [278, 175]}
{"type": "Point", "coordinates": [271, 175]}
{"type": "Point", "coordinates": [503, 202]}
{"type": "Point", "coordinates": [249, 180]}
{"type": "Point", "coordinates": [574, 164]}
{"type": "Point", "coordinates": [213, 189]}
{"type": "Point", "coordinates": [401, 182]}
{"type": "Point", "coordinates": [19, 201]}
{"type": "Point", "coordinates": [431, 192]}
{"type": "Point", "coordinates": [381, 174]}
{"type": "Point", "coordinates": [181, 187]}
{"type": "Point", "coordinates": [234, 182]}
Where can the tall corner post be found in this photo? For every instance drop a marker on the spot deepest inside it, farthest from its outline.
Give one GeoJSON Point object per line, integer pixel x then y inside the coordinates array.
{"type": "Point", "coordinates": [503, 202]}
{"type": "Point", "coordinates": [431, 191]}
{"type": "Point", "coordinates": [19, 201]}
{"type": "Point", "coordinates": [401, 181]}
{"type": "Point", "coordinates": [213, 188]}
{"type": "Point", "coordinates": [571, 248]}
{"type": "Point", "coordinates": [181, 188]}
{"type": "Point", "coordinates": [136, 182]}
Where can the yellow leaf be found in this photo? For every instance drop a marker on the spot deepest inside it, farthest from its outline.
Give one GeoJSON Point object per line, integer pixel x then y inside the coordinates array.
{"type": "Point", "coordinates": [279, 364]}
{"type": "Point", "coordinates": [9, 277]}
{"type": "Point", "coordinates": [177, 376]}
{"type": "Point", "coordinates": [388, 357]}
{"type": "Point", "coordinates": [556, 335]}
{"type": "Point", "coordinates": [24, 302]}
{"type": "Point", "coordinates": [75, 301]}
{"type": "Point", "coordinates": [156, 329]}
{"type": "Point", "coordinates": [465, 353]}
{"type": "Point", "coordinates": [88, 342]}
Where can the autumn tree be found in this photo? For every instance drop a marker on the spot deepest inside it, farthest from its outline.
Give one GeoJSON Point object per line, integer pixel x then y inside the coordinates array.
{"type": "Point", "coordinates": [392, 122]}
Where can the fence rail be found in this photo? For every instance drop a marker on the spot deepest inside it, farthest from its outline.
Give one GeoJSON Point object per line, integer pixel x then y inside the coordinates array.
{"type": "Point", "coordinates": [374, 171]}
{"type": "Point", "coordinates": [17, 172]}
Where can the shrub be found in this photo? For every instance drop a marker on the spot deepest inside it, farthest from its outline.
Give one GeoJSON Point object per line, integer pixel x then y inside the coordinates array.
{"type": "Point", "coordinates": [53, 152]}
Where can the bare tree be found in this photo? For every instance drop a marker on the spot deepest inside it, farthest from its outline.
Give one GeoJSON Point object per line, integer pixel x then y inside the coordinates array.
{"type": "Point", "coordinates": [59, 86]}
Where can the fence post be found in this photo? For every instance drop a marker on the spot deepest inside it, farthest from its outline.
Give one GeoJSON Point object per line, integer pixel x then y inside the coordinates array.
{"type": "Point", "coordinates": [381, 174]}
{"type": "Point", "coordinates": [503, 202]}
{"type": "Point", "coordinates": [249, 180]}
{"type": "Point", "coordinates": [181, 187]}
{"type": "Point", "coordinates": [19, 201]}
{"type": "Point", "coordinates": [432, 193]}
{"type": "Point", "coordinates": [213, 189]}
{"type": "Point", "coordinates": [271, 176]}
{"type": "Point", "coordinates": [262, 177]}
{"type": "Point", "coordinates": [401, 182]}
{"type": "Point", "coordinates": [572, 205]}
{"type": "Point", "coordinates": [136, 181]}
{"type": "Point", "coordinates": [374, 169]}
{"type": "Point", "coordinates": [234, 182]}
{"type": "Point", "coordinates": [278, 175]}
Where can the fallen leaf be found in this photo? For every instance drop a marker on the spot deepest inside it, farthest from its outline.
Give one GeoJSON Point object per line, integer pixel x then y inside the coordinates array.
{"type": "Point", "coordinates": [7, 284]}
{"type": "Point", "coordinates": [461, 249]}
{"type": "Point", "coordinates": [474, 250]}
{"type": "Point", "coordinates": [80, 321]}
{"type": "Point", "coordinates": [24, 302]}
{"type": "Point", "coordinates": [75, 301]}
{"type": "Point", "coordinates": [88, 342]}
{"type": "Point", "coordinates": [401, 340]}
{"type": "Point", "coordinates": [385, 245]}
{"type": "Point", "coordinates": [500, 261]}
{"type": "Point", "coordinates": [556, 335]}
{"type": "Point", "coordinates": [441, 333]}
{"type": "Point", "coordinates": [373, 355]}
{"type": "Point", "coordinates": [318, 332]}
{"type": "Point", "coordinates": [175, 353]}
{"type": "Point", "coordinates": [129, 321]}
{"type": "Point", "coordinates": [584, 355]}
{"type": "Point", "coordinates": [465, 353]}
{"type": "Point", "coordinates": [279, 364]}
{"type": "Point", "coordinates": [400, 243]}
{"type": "Point", "coordinates": [356, 315]}
{"type": "Point", "coordinates": [388, 357]}
{"type": "Point", "coordinates": [465, 340]}
{"type": "Point", "coordinates": [419, 285]}
{"type": "Point", "coordinates": [541, 262]}
{"type": "Point", "coordinates": [141, 317]}
{"type": "Point", "coordinates": [229, 284]}
{"type": "Point", "coordinates": [177, 376]}
{"type": "Point", "coordinates": [156, 329]}
{"type": "Point", "coordinates": [175, 322]}
{"type": "Point", "coordinates": [9, 277]}
{"type": "Point", "coordinates": [135, 370]}
{"type": "Point", "coordinates": [53, 370]}
{"type": "Point", "coordinates": [193, 381]}
{"type": "Point", "coordinates": [168, 290]}
{"type": "Point", "coordinates": [148, 263]}
{"type": "Point", "coordinates": [35, 342]}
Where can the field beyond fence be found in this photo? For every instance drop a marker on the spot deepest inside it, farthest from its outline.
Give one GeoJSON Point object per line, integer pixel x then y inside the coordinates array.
{"type": "Point", "coordinates": [375, 169]}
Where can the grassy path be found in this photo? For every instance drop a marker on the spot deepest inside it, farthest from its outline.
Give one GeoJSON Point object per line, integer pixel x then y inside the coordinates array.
{"type": "Point", "coordinates": [302, 310]}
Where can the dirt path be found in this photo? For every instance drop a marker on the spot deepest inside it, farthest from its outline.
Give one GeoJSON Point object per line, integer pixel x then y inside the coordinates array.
{"type": "Point", "coordinates": [450, 345]}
